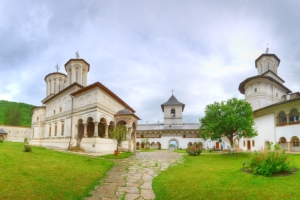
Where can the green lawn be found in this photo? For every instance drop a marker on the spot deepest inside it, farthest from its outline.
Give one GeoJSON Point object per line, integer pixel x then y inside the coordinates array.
{"type": "Point", "coordinates": [217, 176]}
{"type": "Point", "coordinates": [47, 174]}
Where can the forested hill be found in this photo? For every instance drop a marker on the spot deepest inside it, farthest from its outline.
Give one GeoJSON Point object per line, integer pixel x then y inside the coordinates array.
{"type": "Point", "coordinates": [14, 113]}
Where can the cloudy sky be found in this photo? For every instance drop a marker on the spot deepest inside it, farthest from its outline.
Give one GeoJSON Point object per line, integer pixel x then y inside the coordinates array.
{"type": "Point", "coordinates": [141, 50]}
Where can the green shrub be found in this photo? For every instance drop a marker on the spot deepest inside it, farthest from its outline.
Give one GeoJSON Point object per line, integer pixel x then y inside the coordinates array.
{"type": "Point", "coordinates": [27, 148]}
{"type": "Point", "coordinates": [270, 162]}
{"type": "Point", "coordinates": [193, 151]}
{"type": "Point", "coordinates": [159, 148]}
{"type": "Point", "coordinates": [1, 141]}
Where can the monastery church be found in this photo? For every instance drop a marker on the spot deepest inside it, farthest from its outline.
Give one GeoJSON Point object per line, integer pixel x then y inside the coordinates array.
{"type": "Point", "coordinates": [74, 110]}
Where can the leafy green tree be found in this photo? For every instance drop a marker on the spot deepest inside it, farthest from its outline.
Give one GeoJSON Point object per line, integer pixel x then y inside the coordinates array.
{"type": "Point", "coordinates": [232, 118]}
{"type": "Point", "coordinates": [119, 133]}
{"type": "Point", "coordinates": [13, 116]}
{"type": "Point", "coordinates": [25, 110]}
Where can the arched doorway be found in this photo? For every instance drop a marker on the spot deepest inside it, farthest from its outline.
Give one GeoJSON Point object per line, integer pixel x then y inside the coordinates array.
{"type": "Point", "coordinates": [80, 129]}
{"type": "Point", "coordinates": [173, 144]}
{"type": "Point", "coordinates": [159, 145]}
{"type": "Point", "coordinates": [90, 127]}
{"type": "Point", "coordinates": [101, 128]}
{"type": "Point", "coordinates": [283, 143]}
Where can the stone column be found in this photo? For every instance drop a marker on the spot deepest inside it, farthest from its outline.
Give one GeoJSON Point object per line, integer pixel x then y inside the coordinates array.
{"type": "Point", "coordinates": [129, 139]}
{"type": "Point", "coordinates": [134, 140]}
{"type": "Point", "coordinates": [277, 120]}
{"type": "Point", "coordinates": [96, 129]}
{"type": "Point", "coordinates": [85, 130]}
{"type": "Point", "coordinates": [287, 118]}
{"type": "Point", "coordinates": [289, 146]}
{"type": "Point", "coordinates": [106, 131]}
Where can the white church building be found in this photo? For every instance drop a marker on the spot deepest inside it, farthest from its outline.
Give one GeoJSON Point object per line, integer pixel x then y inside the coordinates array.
{"type": "Point", "coordinates": [74, 110]}
{"type": "Point", "coordinates": [276, 108]}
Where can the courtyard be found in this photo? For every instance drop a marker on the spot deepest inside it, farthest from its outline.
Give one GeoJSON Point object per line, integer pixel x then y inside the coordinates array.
{"type": "Point", "coordinates": [156, 174]}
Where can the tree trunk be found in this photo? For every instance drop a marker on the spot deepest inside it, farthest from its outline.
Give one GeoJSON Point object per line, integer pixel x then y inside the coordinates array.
{"type": "Point", "coordinates": [231, 144]}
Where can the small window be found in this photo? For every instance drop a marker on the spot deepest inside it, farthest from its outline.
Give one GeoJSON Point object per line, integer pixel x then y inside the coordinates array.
{"type": "Point", "coordinates": [60, 109]}
{"type": "Point", "coordinates": [276, 94]}
{"type": "Point", "coordinates": [50, 130]}
{"type": "Point", "coordinates": [37, 118]}
{"type": "Point", "coordinates": [244, 143]}
{"type": "Point", "coordinates": [173, 113]}
{"type": "Point", "coordinates": [53, 112]}
{"type": "Point", "coordinates": [255, 89]}
{"type": "Point", "coordinates": [253, 143]}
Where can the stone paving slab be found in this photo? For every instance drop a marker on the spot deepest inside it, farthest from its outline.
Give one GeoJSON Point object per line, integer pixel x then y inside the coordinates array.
{"type": "Point", "coordinates": [131, 178]}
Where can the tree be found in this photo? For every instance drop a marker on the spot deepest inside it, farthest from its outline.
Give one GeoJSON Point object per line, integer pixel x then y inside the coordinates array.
{"type": "Point", "coordinates": [13, 116]}
{"type": "Point", "coordinates": [232, 118]}
{"type": "Point", "coordinates": [119, 133]}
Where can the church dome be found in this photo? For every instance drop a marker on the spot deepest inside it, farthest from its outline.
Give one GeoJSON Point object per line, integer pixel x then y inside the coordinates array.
{"type": "Point", "coordinates": [124, 112]}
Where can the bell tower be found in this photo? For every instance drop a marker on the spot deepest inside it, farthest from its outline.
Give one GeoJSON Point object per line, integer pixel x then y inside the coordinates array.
{"type": "Point", "coordinates": [172, 112]}
{"type": "Point", "coordinates": [77, 70]}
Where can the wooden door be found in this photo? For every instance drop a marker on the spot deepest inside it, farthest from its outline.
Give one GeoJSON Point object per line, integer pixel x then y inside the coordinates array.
{"type": "Point", "coordinates": [142, 145]}
{"type": "Point", "coordinates": [248, 145]}
{"type": "Point", "coordinates": [217, 145]}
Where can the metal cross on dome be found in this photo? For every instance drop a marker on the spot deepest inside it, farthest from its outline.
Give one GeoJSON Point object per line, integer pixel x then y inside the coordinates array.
{"type": "Point", "coordinates": [77, 54]}
{"type": "Point", "coordinates": [172, 91]}
{"type": "Point", "coordinates": [57, 67]}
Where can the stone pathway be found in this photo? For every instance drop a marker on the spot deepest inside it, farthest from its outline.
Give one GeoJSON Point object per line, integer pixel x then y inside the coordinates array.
{"type": "Point", "coordinates": [131, 178]}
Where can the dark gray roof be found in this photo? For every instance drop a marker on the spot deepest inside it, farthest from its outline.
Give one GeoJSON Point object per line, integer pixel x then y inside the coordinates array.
{"type": "Point", "coordinates": [124, 112]}
{"type": "Point", "coordinates": [172, 102]}
{"type": "Point", "coordinates": [267, 54]}
{"type": "Point", "coordinates": [184, 126]}
{"type": "Point", "coordinates": [2, 131]}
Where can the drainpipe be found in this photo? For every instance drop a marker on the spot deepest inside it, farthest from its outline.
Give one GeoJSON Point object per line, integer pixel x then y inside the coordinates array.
{"type": "Point", "coordinates": [70, 145]}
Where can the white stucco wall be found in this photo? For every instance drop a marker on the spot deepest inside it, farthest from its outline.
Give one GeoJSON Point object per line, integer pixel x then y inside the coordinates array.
{"type": "Point", "coordinates": [17, 133]}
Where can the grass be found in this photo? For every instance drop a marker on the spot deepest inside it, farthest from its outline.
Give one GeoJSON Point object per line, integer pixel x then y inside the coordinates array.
{"type": "Point", "coordinates": [47, 174]}
{"type": "Point", "coordinates": [217, 176]}
{"type": "Point", "coordinates": [180, 151]}
{"type": "Point", "coordinates": [121, 156]}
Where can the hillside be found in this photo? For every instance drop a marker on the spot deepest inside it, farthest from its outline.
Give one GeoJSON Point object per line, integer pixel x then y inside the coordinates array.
{"type": "Point", "coordinates": [14, 113]}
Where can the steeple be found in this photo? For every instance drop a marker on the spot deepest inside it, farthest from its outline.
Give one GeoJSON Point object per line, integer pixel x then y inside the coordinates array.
{"type": "Point", "coordinates": [172, 111]}
{"type": "Point", "coordinates": [267, 62]}
{"type": "Point", "coordinates": [77, 70]}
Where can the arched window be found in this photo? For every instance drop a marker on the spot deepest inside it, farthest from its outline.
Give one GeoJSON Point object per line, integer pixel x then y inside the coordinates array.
{"type": "Point", "coordinates": [294, 115]}
{"type": "Point", "coordinates": [282, 118]}
{"type": "Point", "coordinates": [173, 114]}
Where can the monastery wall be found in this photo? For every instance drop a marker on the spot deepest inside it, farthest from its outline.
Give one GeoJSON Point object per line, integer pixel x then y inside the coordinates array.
{"type": "Point", "coordinates": [16, 133]}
